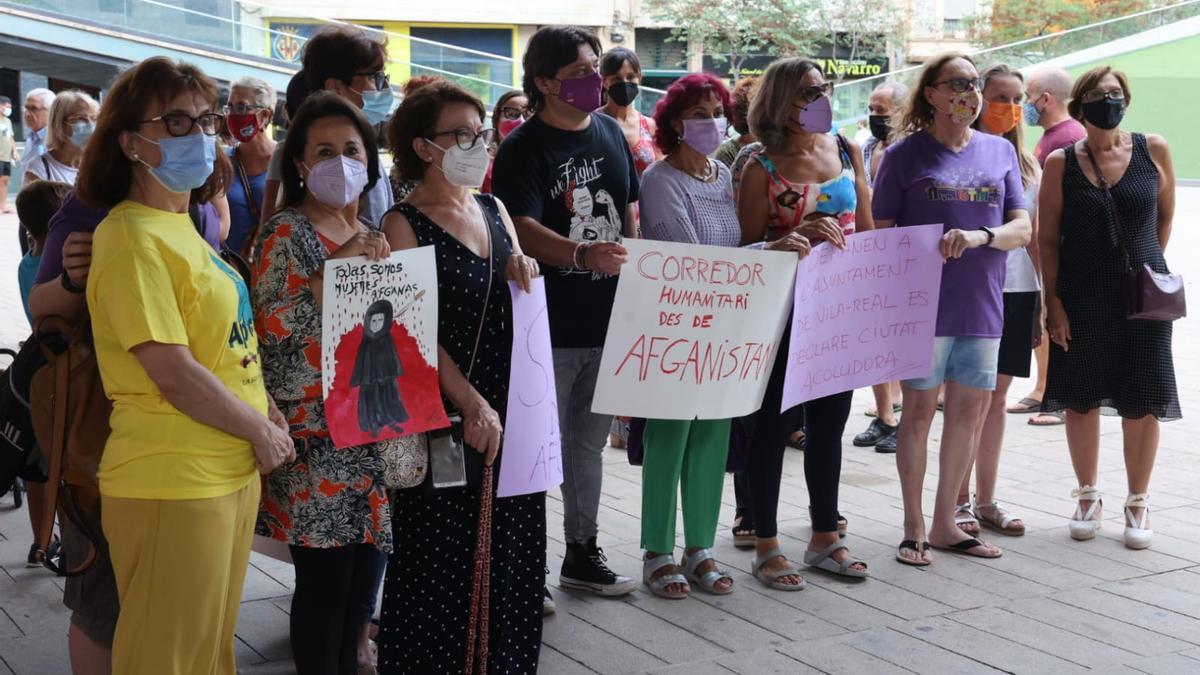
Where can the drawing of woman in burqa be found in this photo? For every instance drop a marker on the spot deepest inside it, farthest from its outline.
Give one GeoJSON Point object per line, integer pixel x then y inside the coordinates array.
{"type": "Point", "coordinates": [375, 371]}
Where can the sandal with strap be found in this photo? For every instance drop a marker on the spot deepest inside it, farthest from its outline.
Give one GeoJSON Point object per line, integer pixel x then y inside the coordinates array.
{"type": "Point", "coordinates": [1025, 406]}
{"type": "Point", "coordinates": [842, 524]}
{"type": "Point", "coordinates": [824, 560]}
{"type": "Point", "coordinates": [772, 579]}
{"type": "Point", "coordinates": [1001, 521]}
{"type": "Point", "coordinates": [658, 586]}
{"type": "Point", "coordinates": [1084, 524]}
{"type": "Point", "coordinates": [1137, 530]}
{"type": "Point", "coordinates": [965, 546]}
{"type": "Point", "coordinates": [708, 580]}
{"type": "Point", "coordinates": [743, 533]}
{"type": "Point", "coordinates": [963, 516]}
{"type": "Point", "coordinates": [919, 546]}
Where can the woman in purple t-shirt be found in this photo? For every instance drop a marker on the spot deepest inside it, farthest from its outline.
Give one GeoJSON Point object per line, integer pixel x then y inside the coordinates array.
{"type": "Point", "coordinates": [943, 171]}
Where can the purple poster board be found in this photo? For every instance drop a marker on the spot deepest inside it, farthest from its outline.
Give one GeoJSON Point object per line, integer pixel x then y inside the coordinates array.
{"type": "Point", "coordinates": [864, 315]}
{"type": "Point", "coordinates": [532, 457]}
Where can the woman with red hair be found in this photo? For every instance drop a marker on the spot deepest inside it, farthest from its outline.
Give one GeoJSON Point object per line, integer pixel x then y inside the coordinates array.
{"type": "Point", "coordinates": [688, 197]}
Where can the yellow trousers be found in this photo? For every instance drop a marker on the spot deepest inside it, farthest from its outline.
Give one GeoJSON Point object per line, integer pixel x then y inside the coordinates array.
{"type": "Point", "coordinates": [180, 565]}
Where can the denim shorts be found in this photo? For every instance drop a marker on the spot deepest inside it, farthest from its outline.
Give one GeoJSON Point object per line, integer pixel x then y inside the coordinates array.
{"type": "Point", "coordinates": [969, 361]}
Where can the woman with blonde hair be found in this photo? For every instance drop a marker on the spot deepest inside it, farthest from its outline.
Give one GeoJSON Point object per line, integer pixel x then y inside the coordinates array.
{"type": "Point", "coordinates": [942, 171]}
{"type": "Point", "coordinates": [1003, 91]}
{"type": "Point", "coordinates": [72, 121]}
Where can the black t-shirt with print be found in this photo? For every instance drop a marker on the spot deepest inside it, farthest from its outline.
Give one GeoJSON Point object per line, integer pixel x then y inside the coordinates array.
{"type": "Point", "coordinates": [576, 183]}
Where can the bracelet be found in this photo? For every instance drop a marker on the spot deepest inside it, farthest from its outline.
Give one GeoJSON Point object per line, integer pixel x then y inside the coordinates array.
{"type": "Point", "coordinates": [69, 285]}
{"type": "Point", "coordinates": [580, 256]}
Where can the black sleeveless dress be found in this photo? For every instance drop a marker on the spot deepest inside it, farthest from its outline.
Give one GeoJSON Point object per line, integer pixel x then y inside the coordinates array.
{"type": "Point", "coordinates": [1122, 367]}
{"type": "Point", "coordinates": [426, 597]}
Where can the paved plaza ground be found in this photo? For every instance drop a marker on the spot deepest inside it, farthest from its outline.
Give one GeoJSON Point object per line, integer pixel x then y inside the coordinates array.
{"type": "Point", "coordinates": [1049, 605]}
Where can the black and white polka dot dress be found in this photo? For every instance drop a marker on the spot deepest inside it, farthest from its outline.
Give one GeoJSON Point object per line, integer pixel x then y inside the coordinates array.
{"type": "Point", "coordinates": [1120, 366]}
{"type": "Point", "coordinates": [423, 627]}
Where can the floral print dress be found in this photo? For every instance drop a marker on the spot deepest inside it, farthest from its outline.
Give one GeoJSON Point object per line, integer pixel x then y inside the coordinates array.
{"type": "Point", "coordinates": [327, 497]}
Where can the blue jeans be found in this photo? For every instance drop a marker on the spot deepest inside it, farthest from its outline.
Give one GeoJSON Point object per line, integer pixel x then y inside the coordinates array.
{"type": "Point", "coordinates": [969, 361]}
{"type": "Point", "coordinates": [584, 435]}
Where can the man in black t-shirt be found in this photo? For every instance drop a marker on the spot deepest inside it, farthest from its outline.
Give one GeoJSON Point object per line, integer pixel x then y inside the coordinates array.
{"type": "Point", "coordinates": [570, 184]}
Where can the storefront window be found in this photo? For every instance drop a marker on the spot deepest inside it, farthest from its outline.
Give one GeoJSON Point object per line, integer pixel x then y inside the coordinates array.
{"type": "Point", "coordinates": [486, 76]}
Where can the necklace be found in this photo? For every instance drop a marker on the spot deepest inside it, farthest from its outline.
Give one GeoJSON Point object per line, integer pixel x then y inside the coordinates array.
{"type": "Point", "coordinates": [704, 176]}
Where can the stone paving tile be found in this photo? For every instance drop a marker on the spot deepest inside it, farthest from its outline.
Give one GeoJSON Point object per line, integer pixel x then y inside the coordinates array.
{"type": "Point", "coordinates": [1048, 605]}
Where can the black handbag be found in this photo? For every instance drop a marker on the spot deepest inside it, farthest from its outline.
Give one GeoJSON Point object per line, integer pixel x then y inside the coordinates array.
{"type": "Point", "coordinates": [1148, 295]}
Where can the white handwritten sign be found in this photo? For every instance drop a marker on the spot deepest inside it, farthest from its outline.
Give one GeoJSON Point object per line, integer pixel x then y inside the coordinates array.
{"type": "Point", "coordinates": [694, 331]}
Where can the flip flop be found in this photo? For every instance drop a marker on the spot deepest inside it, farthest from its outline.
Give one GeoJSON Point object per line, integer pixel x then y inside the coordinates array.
{"type": "Point", "coordinates": [919, 546]}
{"type": "Point", "coordinates": [824, 560]}
{"type": "Point", "coordinates": [1025, 406]}
{"type": "Point", "coordinates": [964, 548]}
{"type": "Point", "coordinates": [1056, 417]}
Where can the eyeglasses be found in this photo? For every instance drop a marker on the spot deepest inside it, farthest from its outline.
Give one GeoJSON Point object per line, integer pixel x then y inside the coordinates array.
{"type": "Point", "coordinates": [1098, 95]}
{"type": "Point", "coordinates": [243, 109]}
{"type": "Point", "coordinates": [181, 124]}
{"type": "Point", "coordinates": [381, 79]}
{"type": "Point", "coordinates": [814, 92]}
{"type": "Point", "coordinates": [35, 110]}
{"type": "Point", "coordinates": [76, 119]}
{"type": "Point", "coordinates": [961, 84]}
{"type": "Point", "coordinates": [466, 139]}
{"type": "Point", "coordinates": [512, 112]}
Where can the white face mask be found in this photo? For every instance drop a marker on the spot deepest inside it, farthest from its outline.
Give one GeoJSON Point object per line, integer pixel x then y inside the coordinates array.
{"type": "Point", "coordinates": [465, 168]}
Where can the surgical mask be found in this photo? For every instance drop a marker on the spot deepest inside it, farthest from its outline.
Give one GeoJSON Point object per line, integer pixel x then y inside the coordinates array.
{"type": "Point", "coordinates": [8, 112]}
{"type": "Point", "coordinates": [963, 107]}
{"type": "Point", "coordinates": [623, 93]}
{"type": "Point", "coordinates": [186, 161]}
{"type": "Point", "coordinates": [1000, 118]}
{"type": "Point", "coordinates": [464, 168]}
{"type": "Point", "coordinates": [881, 126]}
{"type": "Point", "coordinates": [337, 182]}
{"type": "Point", "coordinates": [243, 127]}
{"type": "Point", "coordinates": [509, 126]}
{"type": "Point", "coordinates": [582, 93]}
{"type": "Point", "coordinates": [1033, 116]}
{"type": "Point", "coordinates": [377, 105]}
{"type": "Point", "coordinates": [1104, 114]}
{"type": "Point", "coordinates": [817, 116]}
{"type": "Point", "coordinates": [704, 135]}
{"type": "Point", "coordinates": [81, 132]}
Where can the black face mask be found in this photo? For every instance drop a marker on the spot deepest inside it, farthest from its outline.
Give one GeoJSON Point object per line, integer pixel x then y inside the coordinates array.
{"type": "Point", "coordinates": [880, 126]}
{"type": "Point", "coordinates": [1105, 113]}
{"type": "Point", "coordinates": [623, 93]}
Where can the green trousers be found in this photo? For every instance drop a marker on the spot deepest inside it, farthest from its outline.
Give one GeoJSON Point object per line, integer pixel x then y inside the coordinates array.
{"type": "Point", "coordinates": [691, 452]}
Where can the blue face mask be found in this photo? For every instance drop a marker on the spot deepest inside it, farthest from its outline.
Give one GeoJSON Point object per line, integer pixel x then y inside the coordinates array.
{"type": "Point", "coordinates": [1031, 113]}
{"type": "Point", "coordinates": [187, 161]}
{"type": "Point", "coordinates": [377, 105]}
{"type": "Point", "coordinates": [81, 132]}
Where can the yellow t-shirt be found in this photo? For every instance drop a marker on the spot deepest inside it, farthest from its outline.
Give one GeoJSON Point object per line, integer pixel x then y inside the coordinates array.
{"type": "Point", "coordinates": [154, 279]}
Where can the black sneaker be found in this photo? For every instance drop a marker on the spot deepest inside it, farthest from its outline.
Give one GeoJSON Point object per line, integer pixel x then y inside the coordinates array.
{"type": "Point", "coordinates": [877, 431]}
{"type": "Point", "coordinates": [887, 445]}
{"type": "Point", "coordinates": [583, 568]}
{"type": "Point", "coordinates": [548, 606]}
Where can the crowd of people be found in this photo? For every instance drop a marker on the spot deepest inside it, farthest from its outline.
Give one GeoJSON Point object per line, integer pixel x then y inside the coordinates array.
{"type": "Point", "coordinates": [219, 429]}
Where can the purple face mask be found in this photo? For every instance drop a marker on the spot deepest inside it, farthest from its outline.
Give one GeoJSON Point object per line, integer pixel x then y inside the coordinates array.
{"type": "Point", "coordinates": [337, 181]}
{"type": "Point", "coordinates": [582, 93]}
{"type": "Point", "coordinates": [704, 135]}
{"type": "Point", "coordinates": [817, 116]}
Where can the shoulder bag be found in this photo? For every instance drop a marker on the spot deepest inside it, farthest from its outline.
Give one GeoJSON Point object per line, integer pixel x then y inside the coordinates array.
{"type": "Point", "coordinates": [1149, 295]}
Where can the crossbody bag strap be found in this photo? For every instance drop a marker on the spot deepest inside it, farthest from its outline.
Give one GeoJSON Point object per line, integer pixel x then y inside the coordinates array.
{"type": "Point", "coordinates": [247, 251]}
{"type": "Point", "coordinates": [1111, 203]}
{"type": "Point", "coordinates": [487, 298]}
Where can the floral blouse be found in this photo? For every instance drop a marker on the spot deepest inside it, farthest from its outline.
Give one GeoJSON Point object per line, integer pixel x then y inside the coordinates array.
{"type": "Point", "coordinates": [327, 497]}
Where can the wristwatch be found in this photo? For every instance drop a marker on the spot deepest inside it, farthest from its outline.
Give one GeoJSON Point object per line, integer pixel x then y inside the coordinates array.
{"type": "Point", "coordinates": [991, 235]}
{"type": "Point", "coordinates": [67, 284]}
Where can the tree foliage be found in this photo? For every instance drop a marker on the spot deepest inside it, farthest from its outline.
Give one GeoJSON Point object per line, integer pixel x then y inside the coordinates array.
{"type": "Point", "coordinates": [1011, 21]}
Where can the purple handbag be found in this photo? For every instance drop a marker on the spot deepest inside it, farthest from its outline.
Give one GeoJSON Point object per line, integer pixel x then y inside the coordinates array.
{"type": "Point", "coordinates": [1149, 295]}
{"type": "Point", "coordinates": [739, 444]}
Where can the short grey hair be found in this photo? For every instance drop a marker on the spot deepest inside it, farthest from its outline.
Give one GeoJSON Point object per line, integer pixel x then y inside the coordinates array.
{"type": "Point", "coordinates": [46, 96]}
{"type": "Point", "coordinates": [897, 91]}
{"type": "Point", "coordinates": [264, 94]}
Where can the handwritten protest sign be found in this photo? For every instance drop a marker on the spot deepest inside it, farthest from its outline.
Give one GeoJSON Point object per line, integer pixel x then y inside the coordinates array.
{"type": "Point", "coordinates": [379, 348]}
{"type": "Point", "coordinates": [694, 331]}
{"type": "Point", "coordinates": [532, 457]}
{"type": "Point", "coordinates": [864, 315]}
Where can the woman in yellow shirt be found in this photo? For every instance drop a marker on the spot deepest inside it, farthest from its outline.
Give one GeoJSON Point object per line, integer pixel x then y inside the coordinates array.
{"type": "Point", "coordinates": [192, 425]}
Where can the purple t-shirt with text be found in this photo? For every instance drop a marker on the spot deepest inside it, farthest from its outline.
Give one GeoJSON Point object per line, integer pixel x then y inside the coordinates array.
{"type": "Point", "coordinates": [921, 181]}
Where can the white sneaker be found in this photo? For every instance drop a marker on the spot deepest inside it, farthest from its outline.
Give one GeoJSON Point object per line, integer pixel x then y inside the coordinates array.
{"type": "Point", "coordinates": [1084, 525]}
{"type": "Point", "coordinates": [1137, 532]}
